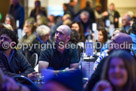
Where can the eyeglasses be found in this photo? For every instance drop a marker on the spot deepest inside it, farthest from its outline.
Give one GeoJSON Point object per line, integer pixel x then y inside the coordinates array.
{"type": "Point", "coordinates": [59, 33]}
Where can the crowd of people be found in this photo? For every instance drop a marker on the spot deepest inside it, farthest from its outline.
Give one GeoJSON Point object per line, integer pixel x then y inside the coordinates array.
{"type": "Point", "coordinates": [48, 56]}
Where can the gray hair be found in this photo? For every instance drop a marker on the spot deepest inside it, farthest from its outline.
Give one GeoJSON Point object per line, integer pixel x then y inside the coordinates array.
{"type": "Point", "coordinates": [43, 30]}
{"type": "Point", "coordinates": [84, 13]}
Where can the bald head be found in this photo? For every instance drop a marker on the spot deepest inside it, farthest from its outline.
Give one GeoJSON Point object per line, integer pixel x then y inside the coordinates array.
{"type": "Point", "coordinates": [126, 20]}
{"type": "Point", "coordinates": [66, 29]}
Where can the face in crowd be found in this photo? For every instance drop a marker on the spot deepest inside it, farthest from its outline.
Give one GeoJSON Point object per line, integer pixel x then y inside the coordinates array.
{"type": "Point", "coordinates": [5, 40]}
{"type": "Point", "coordinates": [75, 26]}
{"type": "Point", "coordinates": [126, 20]}
{"type": "Point", "coordinates": [62, 34]}
{"type": "Point", "coordinates": [118, 74]}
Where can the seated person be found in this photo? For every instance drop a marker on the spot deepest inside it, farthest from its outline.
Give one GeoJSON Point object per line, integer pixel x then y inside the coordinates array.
{"type": "Point", "coordinates": [10, 58]}
{"type": "Point", "coordinates": [59, 57]}
{"type": "Point", "coordinates": [118, 73]}
{"type": "Point", "coordinates": [27, 39]}
{"type": "Point", "coordinates": [75, 39]}
{"type": "Point", "coordinates": [42, 37]}
{"type": "Point", "coordinates": [120, 41]}
{"type": "Point", "coordinates": [29, 29]}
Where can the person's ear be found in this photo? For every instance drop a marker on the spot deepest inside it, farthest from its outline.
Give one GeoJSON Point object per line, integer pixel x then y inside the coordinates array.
{"type": "Point", "coordinates": [68, 38]}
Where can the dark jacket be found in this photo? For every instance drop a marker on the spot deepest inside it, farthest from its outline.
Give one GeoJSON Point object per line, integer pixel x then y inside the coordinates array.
{"type": "Point", "coordinates": [16, 65]}
{"type": "Point", "coordinates": [41, 11]}
{"type": "Point", "coordinates": [85, 25]}
{"type": "Point", "coordinates": [18, 13]}
{"type": "Point", "coordinates": [91, 15]}
{"type": "Point", "coordinates": [71, 11]}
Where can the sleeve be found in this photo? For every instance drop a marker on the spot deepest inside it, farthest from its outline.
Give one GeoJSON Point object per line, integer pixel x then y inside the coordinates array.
{"type": "Point", "coordinates": [26, 68]}
{"type": "Point", "coordinates": [74, 56]}
{"type": "Point", "coordinates": [5, 71]}
{"type": "Point", "coordinates": [44, 55]}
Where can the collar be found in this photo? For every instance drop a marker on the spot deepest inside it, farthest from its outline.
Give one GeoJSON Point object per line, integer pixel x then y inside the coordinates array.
{"type": "Point", "coordinates": [41, 41]}
{"type": "Point", "coordinates": [11, 55]}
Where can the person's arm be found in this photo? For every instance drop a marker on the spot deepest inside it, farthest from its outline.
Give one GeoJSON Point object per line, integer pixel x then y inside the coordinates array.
{"type": "Point", "coordinates": [43, 65]}
{"type": "Point", "coordinates": [44, 59]}
{"type": "Point", "coordinates": [74, 65]}
{"type": "Point", "coordinates": [5, 71]}
{"type": "Point", "coordinates": [25, 67]}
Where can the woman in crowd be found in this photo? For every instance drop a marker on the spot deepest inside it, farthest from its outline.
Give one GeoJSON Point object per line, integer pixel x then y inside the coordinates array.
{"type": "Point", "coordinates": [119, 73]}
{"type": "Point", "coordinates": [75, 39]}
{"type": "Point", "coordinates": [27, 39]}
{"type": "Point", "coordinates": [102, 39]}
{"type": "Point", "coordinates": [29, 29]}
{"type": "Point", "coordinates": [79, 28]}
{"type": "Point", "coordinates": [9, 19]}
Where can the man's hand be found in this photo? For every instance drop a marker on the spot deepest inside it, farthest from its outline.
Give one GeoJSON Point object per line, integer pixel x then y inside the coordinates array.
{"type": "Point", "coordinates": [33, 75]}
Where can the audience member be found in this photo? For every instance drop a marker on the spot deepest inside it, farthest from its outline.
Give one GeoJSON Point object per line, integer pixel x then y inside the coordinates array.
{"type": "Point", "coordinates": [79, 28]}
{"type": "Point", "coordinates": [13, 61]}
{"type": "Point", "coordinates": [120, 41]}
{"type": "Point", "coordinates": [118, 73]}
{"type": "Point", "coordinates": [42, 38]}
{"type": "Point", "coordinates": [101, 43]}
{"type": "Point", "coordinates": [113, 15]}
{"type": "Point", "coordinates": [75, 40]}
{"type": "Point", "coordinates": [126, 23]}
{"type": "Point", "coordinates": [59, 56]}
{"type": "Point", "coordinates": [17, 11]}
{"type": "Point", "coordinates": [70, 8]}
{"type": "Point", "coordinates": [99, 15]}
{"type": "Point", "coordinates": [37, 10]}
{"type": "Point", "coordinates": [9, 19]}
{"type": "Point", "coordinates": [29, 29]}
{"type": "Point", "coordinates": [84, 19]}
{"type": "Point", "coordinates": [89, 9]}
